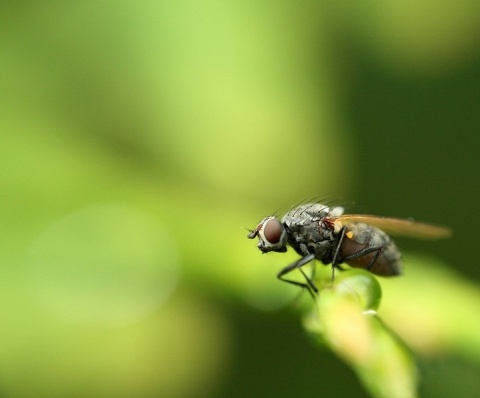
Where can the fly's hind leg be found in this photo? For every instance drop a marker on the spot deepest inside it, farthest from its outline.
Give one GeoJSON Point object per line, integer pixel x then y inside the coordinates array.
{"type": "Point", "coordinates": [337, 260]}
{"type": "Point", "coordinates": [364, 252]}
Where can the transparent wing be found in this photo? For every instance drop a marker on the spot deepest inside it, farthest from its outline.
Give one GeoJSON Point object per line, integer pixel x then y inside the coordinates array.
{"type": "Point", "coordinates": [396, 226]}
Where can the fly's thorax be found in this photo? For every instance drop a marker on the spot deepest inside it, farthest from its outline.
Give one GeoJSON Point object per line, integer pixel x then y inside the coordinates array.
{"type": "Point", "coordinates": [309, 212]}
{"type": "Point", "coordinates": [311, 236]}
{"type": "Point", "coordinates": [304, 219]}
{"type": "Point", "coordinates": [305, 213]}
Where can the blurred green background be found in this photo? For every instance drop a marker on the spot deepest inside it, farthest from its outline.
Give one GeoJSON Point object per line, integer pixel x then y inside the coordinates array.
{"type": "Point", "coordinates": [138, 139]}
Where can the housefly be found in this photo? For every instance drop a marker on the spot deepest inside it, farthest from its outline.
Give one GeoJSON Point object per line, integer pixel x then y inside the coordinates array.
{"type": "Point", "coordinates": [316, 231]}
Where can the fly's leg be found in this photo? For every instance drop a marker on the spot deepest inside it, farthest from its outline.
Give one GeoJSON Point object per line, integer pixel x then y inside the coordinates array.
{"type": "Point", "coordinates": [310, 286]}
{"type": "Point", "coordinates": [364, 252]}
{"type": "Point", "coordinates": [313, 272]}
{"type": "Point", "coordinates": [337, 260]}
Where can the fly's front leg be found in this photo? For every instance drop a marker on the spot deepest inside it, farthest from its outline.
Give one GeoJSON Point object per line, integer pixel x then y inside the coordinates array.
{"type": "Point", "coordinates": [310, 286]}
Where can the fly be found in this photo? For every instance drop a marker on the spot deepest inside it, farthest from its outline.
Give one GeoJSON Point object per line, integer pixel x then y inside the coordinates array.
{"type": "Point", "coordinates": [316, 231]}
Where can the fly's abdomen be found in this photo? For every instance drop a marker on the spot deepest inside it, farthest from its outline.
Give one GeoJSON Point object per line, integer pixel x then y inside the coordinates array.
{"type": "Point", "coordinates": [370, 248]}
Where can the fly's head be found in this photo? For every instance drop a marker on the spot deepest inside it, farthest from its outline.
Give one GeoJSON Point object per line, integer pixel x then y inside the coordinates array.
{"type": "Point", "coordinates": [271, 234]}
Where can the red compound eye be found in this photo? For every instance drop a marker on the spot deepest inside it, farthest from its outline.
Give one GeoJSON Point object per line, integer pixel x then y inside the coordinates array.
{"type": "Point", "coordinates": [272, 231]}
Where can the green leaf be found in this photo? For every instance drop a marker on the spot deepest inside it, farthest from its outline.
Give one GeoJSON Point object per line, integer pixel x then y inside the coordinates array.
{"type": "Point", "coordinates": [345, 320]}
